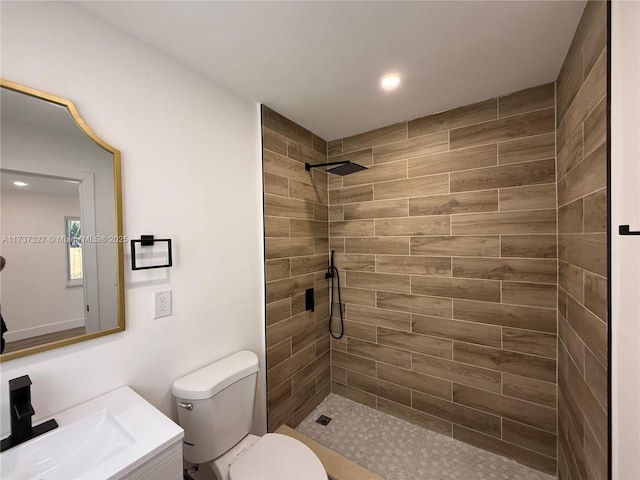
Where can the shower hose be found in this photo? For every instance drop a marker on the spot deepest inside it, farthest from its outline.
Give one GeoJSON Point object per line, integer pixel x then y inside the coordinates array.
{"type": "Point", "coordinates": [333, 271]}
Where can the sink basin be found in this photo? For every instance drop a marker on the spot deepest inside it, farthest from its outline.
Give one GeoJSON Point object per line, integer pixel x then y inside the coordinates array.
{"type": "Point", "coordinates": [104, 438]}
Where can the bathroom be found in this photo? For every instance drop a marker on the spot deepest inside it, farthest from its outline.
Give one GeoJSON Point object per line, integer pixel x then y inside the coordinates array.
{"type": "Point", "coordinates": [162, 116]}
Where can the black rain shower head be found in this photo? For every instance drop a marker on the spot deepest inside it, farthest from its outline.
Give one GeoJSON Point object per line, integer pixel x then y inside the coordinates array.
{"type": "Point", "coordinates": [343, 168]}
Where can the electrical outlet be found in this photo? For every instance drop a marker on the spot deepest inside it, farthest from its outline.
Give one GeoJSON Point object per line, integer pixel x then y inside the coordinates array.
{"type": "Point", "coordinates": [162, 304]}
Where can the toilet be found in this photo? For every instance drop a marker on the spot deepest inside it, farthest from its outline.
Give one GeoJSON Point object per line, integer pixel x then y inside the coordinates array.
{"type": "Point", "coordinates": [215, 409]}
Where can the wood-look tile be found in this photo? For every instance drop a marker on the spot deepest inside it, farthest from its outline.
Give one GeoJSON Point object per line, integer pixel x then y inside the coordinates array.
{"type": "Point", "coordinates": [379, 353]}
{"type": "Point", "coordinates": [283, 329]}
{"type": "Point", "coordinates": [286, 127]}
{"type": "Point", "coordinates": [414, 265]}
{"type": "Point", "coordinates": [463, 245]}
{"type": "Point", "coordinates": [457, 117]}
{"type": "Point", "coordinates": [595, 295]}
{"type": "Point", "coordinates": [287, 368]}
{"type": "Point", "coordinates": [529, 318]}
{"type": "Point", "coordinates": [334, 147]}
{"type": "Point", "coordinates": [535, 197]}
{"type": "Point", "coordinates": [415, 381]}
{"type": "Point", "coordinates": [595, 212]}
{"type": "Point", "coordinates": [279, 310]}
{"type": "Point", "coordinates": [410, 415]}
{"type": "Point", "coordinates": [319, 144]}
{"type": "Point", "coordinates": [337, 244]}
{"type": "Point", "coordinates": [562, 192]}
{"type": "Point", "coordinates": [274, 141]}
{"type": "Point", "coordinates": [412, 187]}
{"type": "Point", "coordinates": [309, 193]}
{"type": "Point", "coordinates": [361, 157]}
{"type": "Point", "coordinates": [589, 175]}
{"type": "Point", "coordinates": [360, 193]}
{"type": "Point", "coordinates": [516, 269]}
{"type": "Point", "coordinates": [465, 159]}
{"type": "Point", "coordinates": [361, 331]}
{"type": "Point", "coordinates": [437, 347]}
{"type": "Point", "coordinates": [336, 213]}
{"type": "Point", "coordinates": [595, 127]}
{"type": "Point", "coordinates": [379, 281]}
{"type": "Point", "coordinates": [486, 290]}
{"type": "Point", "coordinates": [510, 175]}
{"type": "Point", "coordinates": [535, 98]}
{"type": "Point", "coordinates": [529, 246]}
{"type": "Point", "coordinates": [412, 147]}
{"type": "Point", "coordinates": [298, 303]}
{"type": "Point", "coordinates": [320, 245]}
{"type": "Point", "coordinates": [511, 408]}
{"type": "Point", "coordinates": [569, 82]}
{"type": "Point", "coordinates": [380, 388]}
{"type": "Point", "coordinates": [526, 149]}
{"type": "Point", "coordinates": [278, 353]}
{"type": "Point", "coordinates": [379, 317]}
{"type": "Point", "coordinates": [287, 207]}
{"type": "Point", "coordinates": [526, 341]}
{"type": "Point", "coordinates": [352, 228]}
{"type": "Point", "coordinates": [569, 341]}
{"type": "Point", "coordinates": [288, 287]}
{"type": "Point", "coordinates": [595, 458]}
{"type": "Point", "coordinates": [530, 294]}
{"type": "Point", "coordinates": [378, 245]}
{"type": "Point", "coordinates": [590, 94]}
{"type": "Point", "coordinates": [529, 389]}
{"type": "Point", "coordinates": [378, 173]}
{"type": "Point", "coordinates": [309, 372]}
{"type": "Point", "coordinates": [377, 209]}
{"type": "Point", "coordinates": [431, 225]}
{"type": "Point", "coordinates": [285, 167]}
{"type": "Point", "coordinates": [304, 153]}
{"type": "Point", "coordinates": [595, 374]}
{"type": "Point", "coordinates": [379, 136]}
{"type": "Point", "coordinates": [596, 40]}
{"type": "Point", "coordinates": [277, 269]}
{"type": "Point", "coordinates": [530, 221]}
{"type": "Point", "coordinates": [591, 330]}
{"type": "Point", "coordinates": [308, 228]}
{"type": "Point", "coordinates": [276, 226]}
{"type": "Point", "coordinates": [287, 247]}
{"type": "Point", "coordinates": [456, 413]}
{"type": "Point", "coordinates": [511, 362]}
{"type": "Point", "coordinates": [362, 263]}
{"type": "Point", "coordinates": [457, 372]}
{"type": "Point", "coordinates": [571, 153]}
{"type": "Point", "coordinates": [482, 201]}
{"type": "Point", "coordinates": [310, 404]}
{"type": "Point", "coordinates": [308, 264]}
{"type": "Point", "coordinates": [570, 217]}
{"type": "Point", "coordinates": [322, 345]}
{"type": "Point", "coordinates": [521, 455]}
{"type": "Point", "coordinates": [358, 296]}
{"type": "Point", "coordinates": [524, 125]}
{"type": "Point", "coordinates": [470, 332]}
{"type": "Point", "coordinates": [276, 185]}
{"type": "Point", "coordinates": [339, 374]}
{"type": "Point", "coordinates": [354, 394]}
{"type": "Point", "coordinates": [353, 362]}
{"type": "Point", "coordinates": [587, 251]}
{"type": "Point", "coordinates": [438, 307]}
{"type": "Point", "coordinates": [562, 301]}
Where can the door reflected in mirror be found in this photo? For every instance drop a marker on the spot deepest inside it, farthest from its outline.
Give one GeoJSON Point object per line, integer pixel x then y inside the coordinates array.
{"type": "Point", "coordinates": [61, 226]}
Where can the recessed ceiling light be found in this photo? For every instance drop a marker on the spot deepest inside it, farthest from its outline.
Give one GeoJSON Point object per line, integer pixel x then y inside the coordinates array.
{"type": "Point", "coordinates": [390, 81]}
{"type": "Point", "coordinates": [20, 184]}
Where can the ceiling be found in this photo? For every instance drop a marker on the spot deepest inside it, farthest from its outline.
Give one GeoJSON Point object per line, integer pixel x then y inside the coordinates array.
{"type": "Point", "coordinates": [319, 63]}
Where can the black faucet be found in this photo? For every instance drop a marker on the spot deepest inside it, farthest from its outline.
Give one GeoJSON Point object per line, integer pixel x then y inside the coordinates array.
{"type": "Point", "coordinates": [21, 413]}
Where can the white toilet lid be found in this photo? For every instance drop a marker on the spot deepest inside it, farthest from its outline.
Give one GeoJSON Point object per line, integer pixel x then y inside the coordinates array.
{"type": "Point", "coordinates": [278, 457]}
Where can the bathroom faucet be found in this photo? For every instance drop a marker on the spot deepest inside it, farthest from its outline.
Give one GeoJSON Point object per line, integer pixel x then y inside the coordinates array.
{"type": "Point", "coordinates": [21, 412]}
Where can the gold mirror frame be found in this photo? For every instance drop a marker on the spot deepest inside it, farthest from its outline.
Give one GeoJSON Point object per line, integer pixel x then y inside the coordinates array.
{"type": "Point", "coordinates": [117, 179]}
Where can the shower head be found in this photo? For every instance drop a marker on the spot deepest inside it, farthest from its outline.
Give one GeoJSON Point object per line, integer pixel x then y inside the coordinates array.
{"type": "Point", "coordinates": [342, 168]}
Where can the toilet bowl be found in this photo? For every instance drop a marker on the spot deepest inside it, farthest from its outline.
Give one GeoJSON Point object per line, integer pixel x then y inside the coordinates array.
{"type": "Point", "coordinates": [215, 409]}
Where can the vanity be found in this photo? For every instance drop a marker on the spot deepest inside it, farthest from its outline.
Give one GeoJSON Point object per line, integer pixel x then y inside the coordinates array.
{"type": "Point", "coordinates": [118, 435]}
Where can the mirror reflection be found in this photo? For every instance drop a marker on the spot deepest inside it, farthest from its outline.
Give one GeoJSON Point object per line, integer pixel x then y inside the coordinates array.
{"type": "Point", "coordinates": [60, 226]}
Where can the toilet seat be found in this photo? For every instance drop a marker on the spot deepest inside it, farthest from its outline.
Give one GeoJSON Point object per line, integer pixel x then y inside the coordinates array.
{"type": "Point", "coordinates": [278, 457]}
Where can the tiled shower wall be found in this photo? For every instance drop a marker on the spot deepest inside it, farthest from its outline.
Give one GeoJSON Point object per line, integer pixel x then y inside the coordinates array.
{"type": "Point", "coordinates": [582, 214]}
{"type": "Point", "coordinates": [447, 247]}
{"type": "Point", "coordinates": [296, 246]}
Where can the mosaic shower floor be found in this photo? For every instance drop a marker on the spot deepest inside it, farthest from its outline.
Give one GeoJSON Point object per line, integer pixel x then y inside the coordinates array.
{"type": "Point", "coordinates": [399, 450]}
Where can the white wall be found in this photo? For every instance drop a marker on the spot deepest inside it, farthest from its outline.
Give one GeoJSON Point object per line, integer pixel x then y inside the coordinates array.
{"type": "Point", "coordinates": [191, 172]}
{"type": "Point", "coordinates": [37, 270]}
{"type": "Point", "coordinates": [625, 209]}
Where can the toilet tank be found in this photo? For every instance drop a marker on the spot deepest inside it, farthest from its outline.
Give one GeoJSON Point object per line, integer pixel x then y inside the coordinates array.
{"type": "Point", "coordinates": [215, 405]}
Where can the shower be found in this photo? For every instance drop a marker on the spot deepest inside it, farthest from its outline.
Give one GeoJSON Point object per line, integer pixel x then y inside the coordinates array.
{"type": "Point", "coordinates": [333, 270]}
{"type": "Point", "coordinates": [342, 168]}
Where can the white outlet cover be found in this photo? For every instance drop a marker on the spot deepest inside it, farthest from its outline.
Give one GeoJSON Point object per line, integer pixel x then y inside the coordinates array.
{"type": "Point", "coordinates": [162, 304]}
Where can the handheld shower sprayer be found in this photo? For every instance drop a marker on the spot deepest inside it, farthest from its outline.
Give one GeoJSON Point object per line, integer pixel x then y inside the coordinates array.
{"type": "Point", "coordinates": [331, 272]}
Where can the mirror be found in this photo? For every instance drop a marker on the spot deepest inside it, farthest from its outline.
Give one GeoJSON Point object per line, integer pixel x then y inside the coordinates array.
{"type": "Point", "coordinates": [60, 224]}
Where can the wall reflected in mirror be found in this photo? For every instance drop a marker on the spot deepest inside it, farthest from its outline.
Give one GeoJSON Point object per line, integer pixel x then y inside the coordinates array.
{"type": "Point", "coordinates": [60, 225]}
